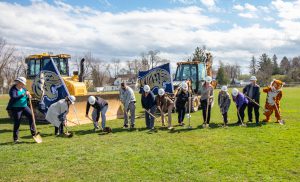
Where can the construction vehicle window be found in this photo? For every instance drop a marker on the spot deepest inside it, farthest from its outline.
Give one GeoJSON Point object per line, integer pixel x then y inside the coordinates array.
{"type": "Point", "coordinates": [37, 66]}
{"type": "Point", "coordinates": [47, 60]}
{"type": "Point", "coordinates": [31, 67]}
{"type": "Point", "coordinates": [63, 66]}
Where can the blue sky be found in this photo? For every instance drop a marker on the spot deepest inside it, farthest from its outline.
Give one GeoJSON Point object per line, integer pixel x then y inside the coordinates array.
{"type": "Point", "coordinates": [233, 30]}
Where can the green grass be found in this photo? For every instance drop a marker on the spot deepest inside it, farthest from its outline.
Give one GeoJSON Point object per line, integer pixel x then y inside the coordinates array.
{"type": "Point", "coordinates": [267, 153]}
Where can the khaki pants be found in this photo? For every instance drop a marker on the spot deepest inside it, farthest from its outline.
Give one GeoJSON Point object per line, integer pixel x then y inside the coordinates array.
{"type": "Point", "coordinates": [170, 108]}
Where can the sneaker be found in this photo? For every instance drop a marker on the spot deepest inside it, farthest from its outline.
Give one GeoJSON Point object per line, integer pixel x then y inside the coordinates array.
{"type": "Point", "coordinates": [132, 126]}
{"type": "Point", "coordinates": [203, 125]}
{"type": "Point", "coordinates": [16, 141]}
{"type": "Point", "coordinates": [207, 125]}
{"type": "Point", "coordinates": [125, 126]}
{"type": "Point", "coordinates": [170, 128]}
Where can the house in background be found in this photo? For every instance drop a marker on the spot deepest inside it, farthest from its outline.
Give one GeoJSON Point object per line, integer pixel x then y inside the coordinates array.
{"type": "Point", "coordinates": [130, 79]}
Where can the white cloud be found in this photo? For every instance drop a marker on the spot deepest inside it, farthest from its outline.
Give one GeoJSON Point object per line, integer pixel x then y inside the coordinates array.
{"type": "Point", "coordinates": [186, 2]}
{"type": "Point", "coordinates": [250, 7]}
{"type": "Point", "coordinates": [289, 19]}
{"type": "Point", "coordinates": [238, 7]}
{"type": "Point", "coordinates": [248, 15]}
{"type": "Point", "coordinates": [208, 3]}
{"type": "Point", "coordinates": [175, 32]}
{"type": "Point", "coordinates": [246, 11]}
{"type": "Point", "coordinates": [287, 10]}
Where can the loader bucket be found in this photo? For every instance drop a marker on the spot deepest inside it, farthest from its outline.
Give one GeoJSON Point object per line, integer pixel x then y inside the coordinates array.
{"type": "Point", "coordinates": [77, 115]}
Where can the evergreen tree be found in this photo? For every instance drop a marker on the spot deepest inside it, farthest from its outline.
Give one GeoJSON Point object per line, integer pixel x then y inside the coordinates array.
{"type": "Point", "coordinates": [253, 66]}
{"type": "Point", "coordinates": [276, 69]}
{"type": "Point", "coordinates": [222, 78]}
{"type": "Point", "coordinates": [199, 54]}
{"type": "Point", "coordinates": [285, 65]}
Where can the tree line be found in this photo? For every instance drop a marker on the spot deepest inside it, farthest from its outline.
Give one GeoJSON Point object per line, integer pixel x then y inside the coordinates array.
{"type": "Point", "coordinates": [265, 68]}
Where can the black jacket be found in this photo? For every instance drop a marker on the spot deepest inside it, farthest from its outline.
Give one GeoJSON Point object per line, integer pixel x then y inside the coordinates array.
{"type": "Point", "coordinates": [99, 104]}
{"type": "Point", "coordinates": [256, 92]}
{"type": "Point", "coordinates": [182, 99]}
{"type": "Point", "coordinates": [149, 101]}
{"type": "Point", "coordinates": [14, 97]}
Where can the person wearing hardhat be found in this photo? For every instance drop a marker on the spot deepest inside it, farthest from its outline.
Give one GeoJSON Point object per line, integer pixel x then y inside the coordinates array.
{"type": "Point", "coordinates": [164, 104]}
{"type": "Point", "coordinates": [148, 103]}
{"type": "Point", "coordinates": [127, 98]}
{"type": "Point", "coordinates": [224, 103]}
{"type": "Point", "coordinates": [57, 114]}
{"type": "Point", "coordinates": [206, 100]}
{"type": "Point", "coordinates": [17, 106]}
{"type": "Point", "coordinates": [241, 103]}
{"type": "Point", "coordinates": [100, 106]}
{"type": "Point", "coordinates": [182, 97]}
{"type": "Point", "coordinates": [252, 91]}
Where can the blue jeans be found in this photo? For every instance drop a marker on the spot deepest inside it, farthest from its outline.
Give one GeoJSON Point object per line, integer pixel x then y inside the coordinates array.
{"type": "Point", "coordinates": [17, 114]}
{"type": "Point", "coordinates": [96, 113]}
{"type": "Point", "coordinates": [149, 118]}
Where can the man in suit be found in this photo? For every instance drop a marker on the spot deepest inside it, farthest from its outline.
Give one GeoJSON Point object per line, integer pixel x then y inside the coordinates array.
{"type": "Point", "coordinates": [252, 92]}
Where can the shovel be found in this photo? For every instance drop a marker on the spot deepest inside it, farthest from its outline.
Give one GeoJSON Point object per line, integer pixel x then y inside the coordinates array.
{"type": "Point", "coordinates": [68, 134]}
{"type": "Point", "coordinates": [37, 137]}
{"type": "Point", "coordinates": [281, 121]}
{"type": "Point", "coordinates": [243, 124]}
{"type": "Point", "coordinates": [189, 115]}
{"type": "Point", "coordinates": [252, 100]}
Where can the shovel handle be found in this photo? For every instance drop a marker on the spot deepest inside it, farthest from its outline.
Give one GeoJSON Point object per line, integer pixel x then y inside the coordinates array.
{"type": "Point", "coordinates": [33, 116]}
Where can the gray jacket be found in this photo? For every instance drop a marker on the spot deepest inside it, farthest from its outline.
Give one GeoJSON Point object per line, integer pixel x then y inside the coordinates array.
{"type": "Point", "coordinates": [224, 102]}
{"type": "Point", "coordinates": [127, 96]}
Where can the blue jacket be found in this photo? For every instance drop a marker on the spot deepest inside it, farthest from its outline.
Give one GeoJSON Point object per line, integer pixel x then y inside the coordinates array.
{"type": "Point", "coordinates": [239, 100]}
{"type": "Point", "coordinates": [14, 97]}
{"type": "Point", "coordinates": [149, 101]}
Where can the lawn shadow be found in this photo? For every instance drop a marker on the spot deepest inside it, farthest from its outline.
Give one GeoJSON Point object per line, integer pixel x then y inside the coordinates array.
{"type": "Point", "coordinates": [84, 132]}
{"type": "Point", "coordinates": [21, 142]}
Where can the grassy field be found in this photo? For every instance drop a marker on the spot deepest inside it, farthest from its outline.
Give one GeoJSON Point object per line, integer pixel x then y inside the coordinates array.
{"type": "Point", "coordinates": [267, 153]}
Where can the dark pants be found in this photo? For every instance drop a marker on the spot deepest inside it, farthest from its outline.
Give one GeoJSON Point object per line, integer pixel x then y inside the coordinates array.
{"type": "Point", "coordinates": [241, 112]}
{"type": "Point", "coordinates": [204, 110]}
{"type": "Point", "coordinates": [252, 106]}
{"type": "Point", "coordinates": [225, 118]}
{"type": "Point", "coordinates": [17, 114]}
{"type": "Point", "coordinates": [59, 129]}
{"type": "Point", "coordinates": [181, 113]}
{"type": "Point", "coordinates": [149, 118]}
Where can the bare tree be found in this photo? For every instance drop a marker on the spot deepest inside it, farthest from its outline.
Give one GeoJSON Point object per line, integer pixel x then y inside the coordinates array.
{"type": "Point", "coordinates": [100, 74]}
{"type": "Point", "coordinates": [7, 55]}
{"type": "Point", "coordinates": [116, 66]}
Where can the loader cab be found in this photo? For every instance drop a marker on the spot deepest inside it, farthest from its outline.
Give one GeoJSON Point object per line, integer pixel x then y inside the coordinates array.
{"type": "Point", "coordinates": [194, 71]}
{"type": "Point", "coordinates": [36, 62]}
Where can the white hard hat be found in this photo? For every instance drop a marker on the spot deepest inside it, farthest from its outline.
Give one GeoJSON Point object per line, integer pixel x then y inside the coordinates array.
{"type": "Point", "coordinates": [146, 88]}
{"type": "Point", "coordinates": [184, 86]}
{"type": "Point", "coordinates": [224, 88]}
{"type": "Point", "coordinates": [253, 78]}
{"type": "Point", "coordinates": [208, 79]}
{"type": "Point", "coordinates": [72, 99]}
{"type": "Point", "coordinates": [161, 91]}
{"type": "Point", "coordinates": [92, 100]}
{"type": "Point", "coordinates": [21, 79]}
{"type": "Point", "coordinates": [235, 92]}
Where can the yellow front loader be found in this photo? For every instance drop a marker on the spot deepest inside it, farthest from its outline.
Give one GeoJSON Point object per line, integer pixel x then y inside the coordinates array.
{"type": "Point", "coordinates": [75, 85]}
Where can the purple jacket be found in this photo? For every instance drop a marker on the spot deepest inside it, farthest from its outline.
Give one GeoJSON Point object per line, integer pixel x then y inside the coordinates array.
{"type": "Point", "coordinates": [239, 100]}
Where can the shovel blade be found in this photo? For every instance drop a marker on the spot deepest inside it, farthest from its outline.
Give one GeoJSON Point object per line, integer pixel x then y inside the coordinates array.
{"type": "Point", "coordinates": [281, 122]}
{"type": "Point", "coordinates": [37, 138]}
